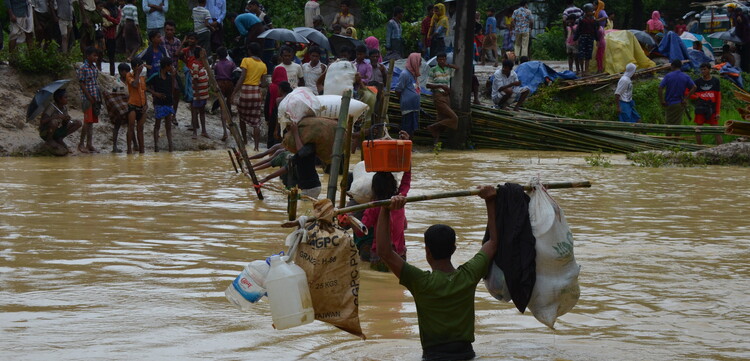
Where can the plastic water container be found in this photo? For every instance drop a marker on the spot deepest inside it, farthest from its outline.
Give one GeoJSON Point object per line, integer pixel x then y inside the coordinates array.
{"type": "Point", "coordinates": [249, 286]}
{"type": "Point", "coordinates": [288, 294]}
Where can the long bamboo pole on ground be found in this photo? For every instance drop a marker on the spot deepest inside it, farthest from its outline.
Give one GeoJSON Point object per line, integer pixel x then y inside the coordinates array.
{"type": "Point", "coordinates": [337, 143]}
{"type": "Point", "coordinates": [347, 158]}
{"type": "Point", "coordinates": [233, 129]}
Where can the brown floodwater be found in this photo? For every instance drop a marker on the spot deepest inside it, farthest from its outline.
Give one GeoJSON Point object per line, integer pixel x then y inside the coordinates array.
{"type": "Point", "coordinates": [127, 257]}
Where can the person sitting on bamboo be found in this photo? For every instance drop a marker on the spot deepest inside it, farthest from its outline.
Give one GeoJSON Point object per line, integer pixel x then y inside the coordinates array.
{"type": "Point", "coordinates": [445, 296]}
{"type": "Point", "coordinates": [439, 82]}
{"type": "Point", "coordinates": [506, 88]}
{"type": "Point", "coordinates": [56, 124]}
{"type": "Point", "coordinates": [384, 187]}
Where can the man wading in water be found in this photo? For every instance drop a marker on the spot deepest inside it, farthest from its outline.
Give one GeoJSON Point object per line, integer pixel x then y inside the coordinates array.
{"type": "Point", "coordinates": [445, 296]}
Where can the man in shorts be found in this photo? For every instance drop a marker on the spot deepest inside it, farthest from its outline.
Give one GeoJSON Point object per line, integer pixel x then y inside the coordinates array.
{"type": "Point", "coordinates": [506, 88]}
{"type": "Point", "coordinates": [21, 23]}
{"type": "Point", "coordinates": [65, 23]}
{"type": "Point", "coordinates": [707, 101]}
{"type": "Point", "coordinates": [674, 101]}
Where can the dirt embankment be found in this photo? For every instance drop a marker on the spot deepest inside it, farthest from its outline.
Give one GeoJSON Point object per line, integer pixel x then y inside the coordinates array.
{"type": "Point", "coordinates": [21, 138]}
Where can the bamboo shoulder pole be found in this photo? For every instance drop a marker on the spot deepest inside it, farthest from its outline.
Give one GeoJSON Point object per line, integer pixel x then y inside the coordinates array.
{"type": "Point", "coordinates": [347, 158]}
{"type": "Point", "coordinates": [232, 126]}
{"type": "Point", "coordinates": [466, 193]}
{"type": "Point", "coordinates": [427, 197]}
{"type": "Point", "coordinates": [337, 143]}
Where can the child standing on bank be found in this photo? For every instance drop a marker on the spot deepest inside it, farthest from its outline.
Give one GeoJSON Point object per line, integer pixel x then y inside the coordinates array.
{"type": "Point", "coordinates": [136, 104]}
{"type": "Point", "coordinates": [200, 93]}
{"type": "Point", "coordinates": [223, 69]}
{"type": "Point", "coordinates": [160, 85]}
{"type": "Point", "coordinates": [586, 33]}
{"type": "Point", "coordinates": [571, 46]}
{"type": "Point", "coordinates": [91, 98]}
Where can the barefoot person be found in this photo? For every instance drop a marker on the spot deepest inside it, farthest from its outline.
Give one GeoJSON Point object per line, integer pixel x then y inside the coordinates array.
{"type": "Point", "coordinates": [506, 88]}
{"type": "Point", "coordinates": [56, 124]}
{"type": "Point", "coordinates": [91, 101]}
{"type": "Point", "coordinates": [136, 104]}
{"type": "Point", "coordinates": [445, 296]}
{"type": "Point", "coordinates": [160, 85]}
{"type": "Point", "coordinates": [251, 103]}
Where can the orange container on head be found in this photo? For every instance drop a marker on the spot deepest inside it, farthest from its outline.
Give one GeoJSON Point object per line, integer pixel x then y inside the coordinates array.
{"type": "Point", "coordinates": [387, 155]}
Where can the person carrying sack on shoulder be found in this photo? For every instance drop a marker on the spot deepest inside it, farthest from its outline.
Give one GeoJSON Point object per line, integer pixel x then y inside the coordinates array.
{"type": "Point", "coordinates": [444, 296]}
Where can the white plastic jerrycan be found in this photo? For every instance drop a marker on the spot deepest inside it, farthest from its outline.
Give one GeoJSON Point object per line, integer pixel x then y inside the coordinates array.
{"type": "Point", "coordinates": [249, 286]}
{"type": "Point", "coordinates": [288, 294]}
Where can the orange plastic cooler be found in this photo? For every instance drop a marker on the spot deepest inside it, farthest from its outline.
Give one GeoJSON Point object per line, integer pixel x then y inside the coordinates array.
{"type": "Point", "coordinates": [387, 155]}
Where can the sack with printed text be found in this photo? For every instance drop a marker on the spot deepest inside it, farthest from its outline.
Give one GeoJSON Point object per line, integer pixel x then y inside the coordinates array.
{"type": "Point", "coordinates": [556, 290]}
{"type": "Point", "coordinates": [330, 260]}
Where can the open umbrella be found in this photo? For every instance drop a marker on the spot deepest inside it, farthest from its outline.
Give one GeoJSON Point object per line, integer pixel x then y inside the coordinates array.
{"type": "Point", "coordinates": [726, 36]}
{"type": "Point", "coordinates": [43, 97]}
{"type": "Point", "coordinates": [314, 36]}
{"type": "Point", "coordinates": [643, 37]}
{"type": "Point", "coordinates": [283, 35]}
{"type": "Point", "coordinates": [339, 41]}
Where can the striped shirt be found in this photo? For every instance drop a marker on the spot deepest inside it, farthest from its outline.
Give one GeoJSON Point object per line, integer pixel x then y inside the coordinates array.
{"type": "Point", "coordinates": [200, 81]}
{"type": "Point", "coordinates": [130, 12]}
{"type": "Point", "coordinates": [200, 15]}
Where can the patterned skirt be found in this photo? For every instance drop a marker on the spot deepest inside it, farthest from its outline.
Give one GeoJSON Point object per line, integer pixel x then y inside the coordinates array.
{"type": "Point", "coordinates": [250, 105]}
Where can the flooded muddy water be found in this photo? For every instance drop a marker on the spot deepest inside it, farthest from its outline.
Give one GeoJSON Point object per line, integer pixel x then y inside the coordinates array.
{"type": "Point", "coordinates": [116, 257]}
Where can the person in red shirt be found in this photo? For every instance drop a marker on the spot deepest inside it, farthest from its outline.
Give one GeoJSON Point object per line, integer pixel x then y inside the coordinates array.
{"type": "Point", "coordinates": [680, 27]}
{"type": "Point", "coordinates": [425, 30]}
{"type": "Point", "coordinates": [707, 100]}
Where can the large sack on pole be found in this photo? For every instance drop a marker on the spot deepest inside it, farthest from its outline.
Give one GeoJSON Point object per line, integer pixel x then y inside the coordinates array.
{"type": "Point", "coordinates": [556, 290]}
{"type": "Point", "coordinates": [339, 78]}
{"type": "Point", "coordinates": [320, 131]}
{"type": "Point", "coordinates": [331, 262]}
{"type": "Point", "coordinates": [330, 107]}
{"type": "Point", "coordinates": [361, 187]}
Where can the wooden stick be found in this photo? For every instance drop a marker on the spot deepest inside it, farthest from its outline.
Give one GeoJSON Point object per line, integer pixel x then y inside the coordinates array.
{"type": "Point", "coordinates": [428, 197]}
{"type": "Point", "coordinates": [347, 158]}
{"type": "Point", "coordinates": [233, 129]}
{"type": "Point", "coordinates": [337, 142]}
{"type": "Point", "coordinates": [292, 203]}
{"type": "Point", "coordinates": [232, 159]}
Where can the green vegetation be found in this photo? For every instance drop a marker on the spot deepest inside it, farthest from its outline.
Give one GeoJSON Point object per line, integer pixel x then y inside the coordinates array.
{"type": "Point", "coordinates": [550, 45]}
{"type": "Point", "coordinates": [599, 104]}
{"type": "Point", "coordinates": [656, 159]}
{"type": "Point", "coordinates": [597, 159]}
{"type": "Point", "coordinates": [38, 60]}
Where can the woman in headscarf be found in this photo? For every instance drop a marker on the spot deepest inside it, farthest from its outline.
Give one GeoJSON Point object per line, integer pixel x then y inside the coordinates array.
{"type": "Point", "coordinates": [373, 43]}
{"type": "Point", "coordinates": [271, 106]}
{"type": "Point", "coordinates": [439, 29]}
{"type": "Point", "coordinates": [408, 91]}
{"type": "Point", "coordinates": [601, 17]}
{"type": "Point", "coordinates": [654, 26]}
{"type": "Point", "coordinates": [624, 97]}
{"type": "Point", "coordinates": [351, 32]}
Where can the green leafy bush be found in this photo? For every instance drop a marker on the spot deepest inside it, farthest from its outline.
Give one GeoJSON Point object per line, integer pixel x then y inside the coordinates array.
{"type": "Point", "coordinates": [37, 60]}
{"type": "Point", "coordinates": [550, 45]}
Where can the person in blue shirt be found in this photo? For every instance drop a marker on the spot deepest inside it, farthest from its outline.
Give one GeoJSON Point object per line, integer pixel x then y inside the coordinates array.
{"type": "Point", "coordinates": [408, 92]}
{"type": "Point", "coordinates": [218, 10]}
{"type": "Point", "coordinates": [489, 44]}
{"type": "Point", "coordinates": [155, 10]}
{"type": "Point", "coordinates": [672, 91]}
{"type": "Point", "coordinates": [249, 26]}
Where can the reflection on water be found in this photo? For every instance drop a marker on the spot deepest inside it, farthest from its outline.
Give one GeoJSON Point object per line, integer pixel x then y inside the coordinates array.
{"type": "Point", "coordinates": [115, 257]}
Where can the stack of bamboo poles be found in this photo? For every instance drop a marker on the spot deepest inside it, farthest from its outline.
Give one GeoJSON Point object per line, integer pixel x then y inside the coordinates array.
{"type": "Point", "coordinates": [736, 127]}
{"type": "Point", "coordinates": [604, 78]}
{"type": "Point", "coordinates": [498, 129]}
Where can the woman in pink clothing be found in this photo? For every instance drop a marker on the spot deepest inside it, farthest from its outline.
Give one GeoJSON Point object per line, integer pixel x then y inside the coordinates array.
{"type": "Point", "coordinates": [384, 187]}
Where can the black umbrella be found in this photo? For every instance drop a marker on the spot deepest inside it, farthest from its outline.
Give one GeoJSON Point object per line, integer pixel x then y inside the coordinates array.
{"type": "Point", "coordinates": [314, 36]}
{"type": "Point", "coordinates": [339, 41]}
{"type": "Point", "coordinates": [43, 97]}
{"type": "Point", "coordinates": [283, 35]}
{"type": "Point", "coordinates": [643, 37]}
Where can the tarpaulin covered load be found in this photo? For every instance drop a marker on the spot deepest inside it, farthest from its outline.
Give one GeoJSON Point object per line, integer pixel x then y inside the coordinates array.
{"type": "Point", "coordinates": [623, 48]}
{"type": "Point", "coordinates": [673, 48]}
{"type": "Point", "coordinates": [532, 74]}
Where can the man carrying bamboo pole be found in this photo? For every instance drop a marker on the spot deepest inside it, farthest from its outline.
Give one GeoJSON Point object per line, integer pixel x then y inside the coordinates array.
{"type": "Point", "coordinates": [445, 296]}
